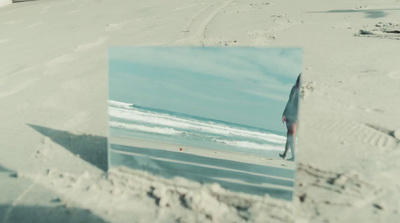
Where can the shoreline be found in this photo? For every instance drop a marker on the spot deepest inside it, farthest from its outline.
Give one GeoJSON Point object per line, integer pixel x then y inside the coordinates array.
{"type": "Point", "coordinates": [242, 157]}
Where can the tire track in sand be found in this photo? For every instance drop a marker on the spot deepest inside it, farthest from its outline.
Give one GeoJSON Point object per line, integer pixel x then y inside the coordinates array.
{"type": "Point", "coordinates": [361, 132]}
{"type": "Point", "coordinates": [199, 22]}
{"type": "Point", "coordinates": [339, 190]}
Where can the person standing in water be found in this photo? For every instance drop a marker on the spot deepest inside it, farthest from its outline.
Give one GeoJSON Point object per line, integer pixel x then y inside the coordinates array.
{"type": "Point", "coordinates": [289, 117]}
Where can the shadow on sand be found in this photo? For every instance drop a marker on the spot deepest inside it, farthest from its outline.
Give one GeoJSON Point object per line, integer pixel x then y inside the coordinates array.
{"type": "Point", "coordinates": [92, 149]}
{"type": "Point", "coordinates": [369, 13]}
{"type": "Point", "coordinates": [20, 1]}
{"type": "Point", "coordinates": [47, 214]}
{"type": "Point", "coordinates": [14, 208]}
{"type": "Point", "coordinates": [3, 169]}
{"type": "Point", "coordinates": [236, 176]}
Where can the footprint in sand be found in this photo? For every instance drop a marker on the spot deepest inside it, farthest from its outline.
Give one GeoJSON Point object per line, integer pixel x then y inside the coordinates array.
{"type": "Point", "coordinates": [348, 187]}
{"type": "Point", "coordinates": [196, 30]}
{"type": "Point", "coordinates": [88, 46]}
{"type": "Point", "coordinates": [116, 26]}
{"type": "Point", "coordinates": [307, 89]}
{"type": "Point", "coordinates": [261, 37]}
{"type": "Point", "coordinates": [222, 42]}
{"type": "Point", "coordinates": [260, 5]}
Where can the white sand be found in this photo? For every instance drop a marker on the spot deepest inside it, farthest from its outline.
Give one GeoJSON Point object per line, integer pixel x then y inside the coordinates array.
{"type": "Point", "coordinates": [54, 75]}
{"type": "Point", "coordinates": [203, 152]}
{"type": "Point", "coordinates": [239, 172]}
{"type": "Point", "coordinates": [5, 2]}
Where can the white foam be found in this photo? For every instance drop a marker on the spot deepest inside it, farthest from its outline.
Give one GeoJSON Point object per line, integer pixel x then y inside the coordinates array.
{"type": "Point", "coordinates": [119, 104]}
{"type": "Point", "coordinates": [142, 128]}
{"type": "Point", "coordinates": [126, 111]}
{"type": "Point", "coordinates": [250, 145]}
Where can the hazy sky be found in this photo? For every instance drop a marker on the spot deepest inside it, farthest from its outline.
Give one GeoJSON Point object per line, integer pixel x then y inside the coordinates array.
{"type": "Point", "coordinates": [246, 85]}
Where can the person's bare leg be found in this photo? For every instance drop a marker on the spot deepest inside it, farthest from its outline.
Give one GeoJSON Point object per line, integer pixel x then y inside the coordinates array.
{"type": "Point", "coordinates": [292, 142]}
{"type": "Point", "coordinates": [289, 133]}
{"type": "Point", "coordinates": [283, 155]}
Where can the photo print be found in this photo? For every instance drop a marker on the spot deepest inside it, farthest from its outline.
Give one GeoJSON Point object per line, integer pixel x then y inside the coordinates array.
{"type": "Point", "coordinates": [209, 114]}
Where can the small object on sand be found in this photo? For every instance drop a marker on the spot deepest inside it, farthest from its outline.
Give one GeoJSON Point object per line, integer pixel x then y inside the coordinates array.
{"type": "Point", "coordinates": [50, 171]}
{"type": "Point", "coordinates": [92, 187]}
{"type": "Point", "coordinates": [378, 206]}
{"type": "Point", "coordinates": [56, 200]}
{"type": "Point", "coordinates": [15, 175]}
{"type": "Point", "coordinates": [396, 134]}
{"type": "Point", "coordinates": [392, 31]}
{"type": "Point", "coordinates": [302, 197]}
{"type": "Point", "coordinates": [180, 149]}
{"type": "Point", "coordinates": [365, 32]}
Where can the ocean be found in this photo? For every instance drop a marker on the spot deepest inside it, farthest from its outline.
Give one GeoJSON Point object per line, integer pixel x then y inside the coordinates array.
{"type": "Point", "coordinates": [172, 127]}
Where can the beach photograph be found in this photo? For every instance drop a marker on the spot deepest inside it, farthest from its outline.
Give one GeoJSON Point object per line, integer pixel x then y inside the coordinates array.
{"type": "Point", "coordinates": [60, 124]}
{"type": "Point", "coordinates": [206, 114]}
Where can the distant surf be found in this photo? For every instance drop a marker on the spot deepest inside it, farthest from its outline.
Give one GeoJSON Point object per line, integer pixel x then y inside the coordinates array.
{"type": "Point", "coordinates": [183, 129]}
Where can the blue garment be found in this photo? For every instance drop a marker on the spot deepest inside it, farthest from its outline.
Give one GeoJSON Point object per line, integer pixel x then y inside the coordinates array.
{"type": "Point", "coordinates": [292, 106]}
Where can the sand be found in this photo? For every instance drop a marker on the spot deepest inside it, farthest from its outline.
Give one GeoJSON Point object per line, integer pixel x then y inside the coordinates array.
{"type": "Point", "coordinates": [53, 109]}
{"type": "Point", "coordinates": [5, 2]}
{"type": "Point", "coordinates": [204, 152]}
{"type": "Point", "coordinates": [238, 172]}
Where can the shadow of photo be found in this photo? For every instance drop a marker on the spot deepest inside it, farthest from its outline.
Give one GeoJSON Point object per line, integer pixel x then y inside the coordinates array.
{"type": "Point", "coordinates": [45, 204]}
{"type": "Point", "coordinates": [92, 149]}
{"type": "Point", "coordinates": [3, 169]}
{"type": "Point", "coordinates": [60, 213]}
{"type": "Point", "coordinates": [20, 1]}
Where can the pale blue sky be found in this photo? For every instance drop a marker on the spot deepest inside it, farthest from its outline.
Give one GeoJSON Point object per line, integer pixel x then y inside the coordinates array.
{"type": "Point", "coordinates": [245, 85]}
